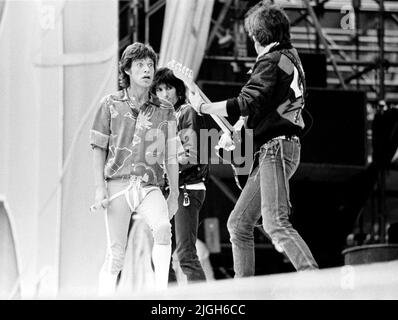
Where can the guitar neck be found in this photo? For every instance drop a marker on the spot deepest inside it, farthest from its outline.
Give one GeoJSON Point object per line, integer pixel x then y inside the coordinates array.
{"type": "Point", "coordinates": [223, 123]}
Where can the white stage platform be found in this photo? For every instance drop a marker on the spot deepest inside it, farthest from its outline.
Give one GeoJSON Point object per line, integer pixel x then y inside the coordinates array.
{"type": "Point", "coordinates": [377, 281]}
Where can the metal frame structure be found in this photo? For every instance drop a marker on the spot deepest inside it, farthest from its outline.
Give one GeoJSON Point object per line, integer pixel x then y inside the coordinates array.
{"type": "Point", "coordinates": [379, 65]}
{"type": "Point", "coordinates": [321, 38]}
{"type": "Point", "coordinates": [149, 10]}
{"type": "Point", "coordinates": [131, 9]}
{"type": "Point", "coordinates": [308, 13]}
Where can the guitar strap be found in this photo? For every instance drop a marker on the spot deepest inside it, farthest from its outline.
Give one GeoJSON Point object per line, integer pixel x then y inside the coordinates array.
{"type": "Point", "coordinates": [298, 66]}
{"type": "Point", "coordinates": [234, 169]}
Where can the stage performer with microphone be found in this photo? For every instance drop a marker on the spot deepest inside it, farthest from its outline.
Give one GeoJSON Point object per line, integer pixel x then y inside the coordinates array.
{"type": "Point", "coordinates": [134, 139]}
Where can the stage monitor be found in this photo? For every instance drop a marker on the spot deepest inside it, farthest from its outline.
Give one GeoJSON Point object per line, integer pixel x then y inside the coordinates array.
{"type": "Point", "coordinates": [338, 132]}
{"type": "Point", "coordinates": [315, 68]}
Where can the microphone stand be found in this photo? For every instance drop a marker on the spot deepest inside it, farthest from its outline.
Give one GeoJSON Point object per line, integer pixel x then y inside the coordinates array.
{"type": "Point", "coordinates": [381, 107]}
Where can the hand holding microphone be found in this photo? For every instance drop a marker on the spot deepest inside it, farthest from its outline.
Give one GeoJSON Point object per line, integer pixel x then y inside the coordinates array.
{"type": "Point", "coordinates": [101, 199]}
{"type": "Point", "coordinates": [99, 205]}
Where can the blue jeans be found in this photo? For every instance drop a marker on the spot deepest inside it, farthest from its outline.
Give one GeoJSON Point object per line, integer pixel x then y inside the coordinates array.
{"type": "Point", "coordinates": [266, 194]}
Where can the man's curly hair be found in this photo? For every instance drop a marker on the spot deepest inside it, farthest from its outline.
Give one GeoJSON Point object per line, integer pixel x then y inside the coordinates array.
{"type": "Point", "coordinates": [166, 76]}
{"type": "Point", "coordinates": [135, 51]}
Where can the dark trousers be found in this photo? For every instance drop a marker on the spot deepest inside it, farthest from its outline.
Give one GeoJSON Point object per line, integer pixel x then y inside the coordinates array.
{"type": "Point", "coordinates": [185, 232]}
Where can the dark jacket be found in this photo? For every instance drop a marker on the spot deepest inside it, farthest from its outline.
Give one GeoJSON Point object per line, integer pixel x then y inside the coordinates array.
{"type": "Point", "coordinates": [189, 125]}
{"type": "Point", "coordinates": [271, 99]}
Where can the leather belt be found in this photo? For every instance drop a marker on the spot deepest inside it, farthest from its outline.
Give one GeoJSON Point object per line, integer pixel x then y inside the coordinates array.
{"type": "Point", "coordinates": [284, 137]}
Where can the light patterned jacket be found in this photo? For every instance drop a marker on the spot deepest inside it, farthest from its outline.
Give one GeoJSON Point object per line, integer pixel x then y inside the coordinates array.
{"type": "Point", "coordinates": [137, 141]}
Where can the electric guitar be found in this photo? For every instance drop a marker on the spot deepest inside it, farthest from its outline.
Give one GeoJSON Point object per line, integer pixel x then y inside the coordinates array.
{"type": "Point", "coordinates": [231, 134]}
{"type": "Point", "coordinates": [186, 75]}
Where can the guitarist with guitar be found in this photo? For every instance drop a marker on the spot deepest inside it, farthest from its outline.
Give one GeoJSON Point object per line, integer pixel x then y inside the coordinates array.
{"type": "Point", "coordinates": [193, 175]}
{"type": "Point", "coordinates": [272, 100]}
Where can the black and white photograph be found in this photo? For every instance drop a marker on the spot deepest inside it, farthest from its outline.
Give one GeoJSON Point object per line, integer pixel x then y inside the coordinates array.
{"type": "Point", "coordinates": [198, 158]}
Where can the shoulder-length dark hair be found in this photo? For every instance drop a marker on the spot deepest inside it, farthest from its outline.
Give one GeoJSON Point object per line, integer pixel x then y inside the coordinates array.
{"type": "Point", "coordinates": [135, 51]}
{"type": "Point", "coordinates": [166, 76]}
{"type": "Point", "coordinates": [267, 23]}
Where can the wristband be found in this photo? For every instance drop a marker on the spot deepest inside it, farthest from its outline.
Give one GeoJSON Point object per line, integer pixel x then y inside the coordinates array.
{"type": "Point", "coordinates": [200, 108]}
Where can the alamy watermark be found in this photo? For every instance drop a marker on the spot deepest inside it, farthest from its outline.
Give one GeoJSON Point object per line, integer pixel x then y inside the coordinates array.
{"type": "Point", "coordinates": [204, 148]}
{"type": "Point", "coordinates": [347, 22]}
{"type": "Point", "coordinates": [347, 278]}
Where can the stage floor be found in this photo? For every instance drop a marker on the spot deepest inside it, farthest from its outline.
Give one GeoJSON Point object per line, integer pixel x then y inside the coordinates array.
{"type": "Point", "coordinates": [376, 281]}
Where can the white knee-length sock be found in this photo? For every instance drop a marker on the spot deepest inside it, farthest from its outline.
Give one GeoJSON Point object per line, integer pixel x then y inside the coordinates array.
{"type": "Point", "coordinates": [106, 283]}
{"type": "Point", "coordinates": [161, 259]}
